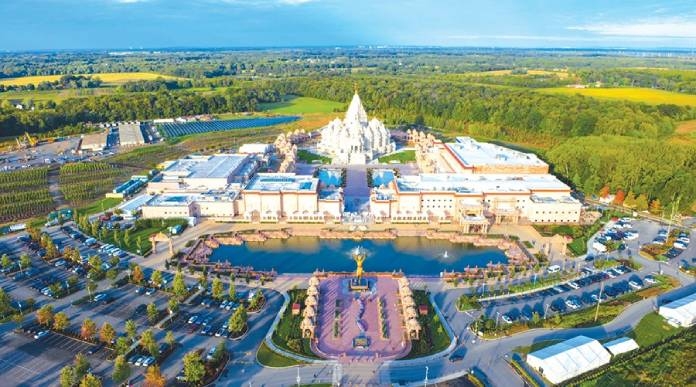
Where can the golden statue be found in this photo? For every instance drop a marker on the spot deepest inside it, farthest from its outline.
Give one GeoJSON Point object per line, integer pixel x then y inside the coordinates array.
{"type": "Point", "coordinates": [359, 257]}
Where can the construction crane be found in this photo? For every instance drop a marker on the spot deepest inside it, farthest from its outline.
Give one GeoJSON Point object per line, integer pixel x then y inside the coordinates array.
{"type": "Point", "coordinates": [32, 141]}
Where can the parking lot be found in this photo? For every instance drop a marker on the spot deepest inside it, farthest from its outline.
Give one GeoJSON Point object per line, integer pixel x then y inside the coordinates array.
{"type": "Point", "coordinates": [25, 361]}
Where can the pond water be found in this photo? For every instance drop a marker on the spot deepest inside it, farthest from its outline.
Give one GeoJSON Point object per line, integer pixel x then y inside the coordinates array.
{"type": "Point", "coordinates": [413, 255]}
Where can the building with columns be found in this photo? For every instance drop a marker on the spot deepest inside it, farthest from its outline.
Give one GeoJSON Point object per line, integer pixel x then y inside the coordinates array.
{"type": "Point", "coordinates": [355, 139]}
{"type": "Point", "coordinates": [273, 197]}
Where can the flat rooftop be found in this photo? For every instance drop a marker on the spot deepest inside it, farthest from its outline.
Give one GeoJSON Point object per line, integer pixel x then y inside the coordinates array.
{"type": "Point", "coordinates": [479, 183]}
{"type": "Point", "coordinates": [283, 182]}
{"type": "Point", "coordinates": [472, 153]}
{"type": "Point", "coordinates": [218, 166]}
{"type": "Point", "coordinates": [184, 199]}
{"type": "Point", "coordinates": [131, 133]}
{"type": "Point", "coordinates": [94, 139]}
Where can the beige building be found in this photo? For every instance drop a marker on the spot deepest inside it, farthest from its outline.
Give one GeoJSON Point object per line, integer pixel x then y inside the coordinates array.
{"type": "Point", "coordinates": [469, 156]}
{"type": "Point", "coordinates": [475, 200]}
{"type": "Point", "coordinates": [94, 142]}
{"type": "Point", "coordinates": [203, 173]}
{"type": "Point", "coordinates": [217, 206]}
{"type": "Point", "coordinates": [273, 197]}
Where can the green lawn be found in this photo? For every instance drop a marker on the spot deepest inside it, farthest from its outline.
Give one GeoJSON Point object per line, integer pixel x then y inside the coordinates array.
{"type": "Point", "coordinates": [287, 334]}
{"type": "Point", "coordinates": [303, 105]}
{"type": "Point", "coordinates": [433, 337]}
{"type": "Point", "coordinates": [269, 358]}
{"type": "Point", "coordinates": [651, 329]}
{"type": "Point", "coordinates": [406, 156]}
{"type": "Point", "coordinates": [307, 157]}
{"type": "Point", "coordinates": [99, 206]}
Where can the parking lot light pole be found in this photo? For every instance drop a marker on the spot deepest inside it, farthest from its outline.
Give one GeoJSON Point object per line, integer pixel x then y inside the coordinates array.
{"type": "Point", "coordinates": [546, 310]}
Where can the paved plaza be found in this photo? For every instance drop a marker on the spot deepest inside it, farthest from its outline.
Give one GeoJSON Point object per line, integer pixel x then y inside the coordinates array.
{"type": "Point", "coordinates": [358, 318]}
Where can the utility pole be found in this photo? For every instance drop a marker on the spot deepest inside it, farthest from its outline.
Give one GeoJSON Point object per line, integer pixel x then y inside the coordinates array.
{"type": "Point", "coordinates": [298, 376]}
{"type": "Point", "coordinates": [425, 382]}
{"type": "Point", "coordinates": [599, 300]}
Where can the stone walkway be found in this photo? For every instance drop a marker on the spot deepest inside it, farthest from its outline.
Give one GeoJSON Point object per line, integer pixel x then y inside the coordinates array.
{"type": "Point", "coordinates": [351, 324]}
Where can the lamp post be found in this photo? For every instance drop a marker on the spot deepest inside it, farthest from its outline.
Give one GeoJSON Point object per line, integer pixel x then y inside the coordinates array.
{"type": "Point", "coordinates": [546, 309]}
{"type": "Point", "coordinates": [298, 376]}
{"type": "Point", "coordinates": [425, 381]}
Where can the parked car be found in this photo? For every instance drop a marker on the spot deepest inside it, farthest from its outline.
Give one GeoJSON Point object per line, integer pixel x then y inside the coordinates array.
{"type": "Point", "coordinates": [650, 280]}
{"type": "Point", "coordinates": [41, 334]}
{"type": "Point", "coordinates": [635, 285]}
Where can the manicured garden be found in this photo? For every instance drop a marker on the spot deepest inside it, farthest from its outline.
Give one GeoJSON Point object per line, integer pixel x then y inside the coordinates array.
{"type": "Point", "coordinates": [308, 157]}
{"type": "Point", "coordinates": [434, 337]}
{"type": "Point", "coordinates": [287, 334]}
{"type": "Point", "coordinates": [405, 156]}
{"type": "Point", "coordinates": [270, 358]}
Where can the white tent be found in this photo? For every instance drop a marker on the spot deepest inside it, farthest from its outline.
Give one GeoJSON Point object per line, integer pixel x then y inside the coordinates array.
{"type": "Point", "coordinates": [621, 345]}
{"type": "Point", "coordinates": [681, 312]}
{"type": "Point", "coordinates": [568, 359]}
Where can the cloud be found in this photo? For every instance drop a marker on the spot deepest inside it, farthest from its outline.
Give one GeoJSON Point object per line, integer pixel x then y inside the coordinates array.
{"type": "Point", "coordinates": [647, 28]}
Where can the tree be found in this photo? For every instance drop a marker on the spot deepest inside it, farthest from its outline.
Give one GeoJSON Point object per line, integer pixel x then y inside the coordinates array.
{"type": "Point", "coordinates": [152, 312]}
{"type": "Point", "coordinates": [169, 338]}
{"type": "Point", "coordinates": [630, 200]}
{"type": "Point", "coordinates": [179, 286]}
{"type": "Point", "coordinates": [238, 320]}
{"type": "Point", "coordinates": [137, 275]}
{"type": "Point", "coordinates": [88, 329]}
{"type": "Point", "coordinates": [156, 278]}
{"type": "Point", "coordinates": [81, 366]}
{"type": "Point", "coordinates": [203, 281]}
{"type": "Point", "coordinates": [219, 352]}
{"type": "Point", "coordinates": [44, 316]}
{"type": "Point", "coordinates": [655, 207]}
{"type": "Point", "coordinates": [147, 341]}
{"type": "Point", "coordinates": [194, 370]}
{"type": "Point", "coordinates": [5, 303]}
{"type": "Point", "coordinates": [139, 243]}
{"type": "Point", "coordinates": [91, 286]}
{"type": "Point", "coordinates": [122, 345]}
{"type": "Point", "coordinates": [90, 380]}
{"type": "Point", "coordinates": [619, 197]}
{"type": "Point", "coordinates": [121, 369]}
{"type": "Point", "coordinates": [116, 235]}
{"type": "Point", "coordinates": [232, 291]}
{"type": "Point", "coordinates": [126, 237]}
{"type": "Point", "coordinates": [218, 289]}
{"type": "Point", "coordinates": [604, 191]}
{"type": "Point", "coordinates": [641, 203]}
{"type": "Point", "coordinates": [68, 378]}
{"type": "Point", "coordinates": [24, 261]}
{"type": "Point", "coordinates": [60, 322]}
{"type": "Point", "coordinates": [5, 261]}
{"type": "Point", "coordinates": [257, 300]}
{"type": "Point", "coordinates": [173, 305]}
{"type": "Point", "coordinates": [131, 330]}
{"type": "Point", "coordinates": [107, 333]}
{"type": "Point", "coordinates": [154, 377]}
{"type": "Point", "coordinates": [536, 318]}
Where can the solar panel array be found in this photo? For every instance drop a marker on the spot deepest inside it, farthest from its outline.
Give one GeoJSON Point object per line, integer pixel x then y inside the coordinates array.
{"type": "Point", "coordinates": [183, 129]}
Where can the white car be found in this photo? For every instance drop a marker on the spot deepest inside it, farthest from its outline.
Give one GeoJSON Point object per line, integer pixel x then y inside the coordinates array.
{"type": "Point", "coordinates": [610, 273]}
{"type": "Point", "coordinates": [41, 334]}
{"type": "Point", "coordinates": [140, 361]}
{"type": "Point", "coordinates": [573, 285]}
{"type": "Point", "coordinates": [635, 285]}
{"type": "Point", "coordinates": [571, 304]}
{"type": "Point", "coordinates": [193, 319]}
{"type": "Point", "coordinates": [148, 361]}
{"type": "Point", "coordinates": [650, 280]}
{"type": "Point", "coordinates": [506, 319]}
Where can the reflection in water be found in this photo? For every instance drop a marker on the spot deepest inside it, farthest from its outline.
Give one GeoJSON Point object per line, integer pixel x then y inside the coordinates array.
{"type": "Point", "coordinates": [413, 255]}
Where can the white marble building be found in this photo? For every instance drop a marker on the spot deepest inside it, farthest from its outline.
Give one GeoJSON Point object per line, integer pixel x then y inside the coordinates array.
{"type": "Point", "coordinates": [355, 139]}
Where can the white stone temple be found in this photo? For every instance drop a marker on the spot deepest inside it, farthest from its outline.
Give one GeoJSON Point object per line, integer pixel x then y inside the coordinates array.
{"type": "Point", "coordinates": [355, 140]}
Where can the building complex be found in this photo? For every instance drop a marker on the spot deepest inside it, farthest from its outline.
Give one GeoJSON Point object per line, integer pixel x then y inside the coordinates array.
{"type": "Point", "coordinates": [466, 182]}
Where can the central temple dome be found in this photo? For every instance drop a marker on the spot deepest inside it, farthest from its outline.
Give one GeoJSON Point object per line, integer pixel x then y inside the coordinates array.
{"type": "Point", "coordinates": [355, 139]}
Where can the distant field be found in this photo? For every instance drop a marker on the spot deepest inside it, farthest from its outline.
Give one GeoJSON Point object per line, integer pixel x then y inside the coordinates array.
{"type": "Point", "coordinates": [303, 105]}
{"type": "Point", "coordinates": [633, 94]}
{"type": "Point", "coordinates": [114, 78]}
{"type": "Point", "coordinates": [54, 95]}
{"type": "Point", "coordinates": [560, 73]}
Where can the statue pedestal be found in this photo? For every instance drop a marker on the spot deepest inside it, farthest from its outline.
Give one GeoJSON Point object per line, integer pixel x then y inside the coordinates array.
{"type": "Point", "coordinates": [359, 285]}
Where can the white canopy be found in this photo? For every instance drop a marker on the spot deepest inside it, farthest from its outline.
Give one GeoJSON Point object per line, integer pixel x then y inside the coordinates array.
{"type": "Point", "coordinates": [682, 311]}
{"type": "Point", "coordinates": [568, 359]}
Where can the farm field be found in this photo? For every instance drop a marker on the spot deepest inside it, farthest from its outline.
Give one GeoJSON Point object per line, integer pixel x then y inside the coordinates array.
{"type": "Point", "coordinates": [110, 78]}
{"type": "Point", "coordinates": [24, 194]}
{"type": "Point", "coordinates": [84, 182]}
{"type": "Point", "coordinates": [54, 95]}
{"type": "Point", "coordinates": [685, 133]}
{"type": "Point", "coordinates": [303, 105]}
{"type": "Point", "coordinates": [633, 94]}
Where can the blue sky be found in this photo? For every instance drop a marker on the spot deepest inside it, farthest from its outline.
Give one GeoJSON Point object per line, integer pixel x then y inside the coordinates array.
{"type": "Point", "coordinates": [78, 24]}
